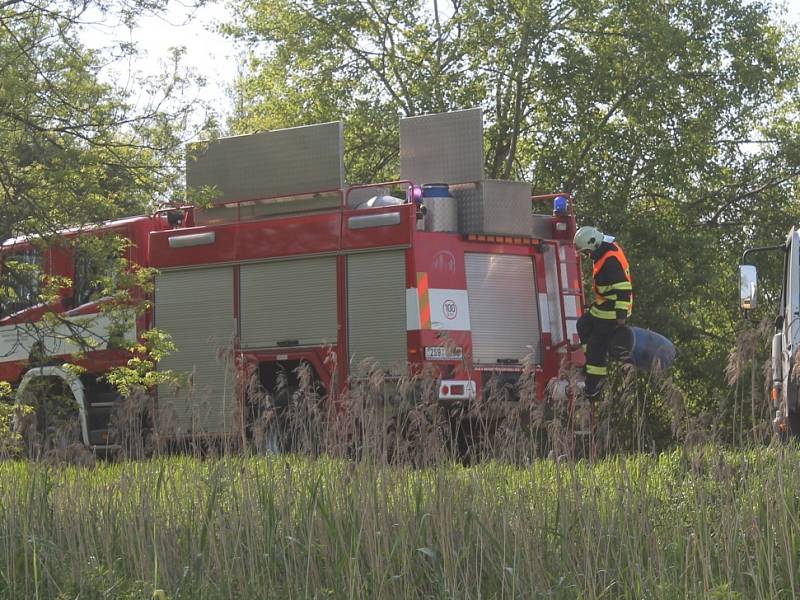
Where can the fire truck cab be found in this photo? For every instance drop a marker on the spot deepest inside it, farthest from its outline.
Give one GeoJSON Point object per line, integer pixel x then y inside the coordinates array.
{"type": "Point", "coordinates": [32, 351]}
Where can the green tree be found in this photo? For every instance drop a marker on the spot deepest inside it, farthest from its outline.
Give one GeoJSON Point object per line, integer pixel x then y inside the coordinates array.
{"type": "Point", "coordinates": [675, 123]}
{"type": "Point", "coordinates": [74, 146]}
{"type": "Point", "coordinates": [79, 146]}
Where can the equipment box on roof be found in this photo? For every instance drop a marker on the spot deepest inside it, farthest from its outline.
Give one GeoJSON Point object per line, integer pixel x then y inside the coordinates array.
{"type": "Point", "coordinates": [494, 207]}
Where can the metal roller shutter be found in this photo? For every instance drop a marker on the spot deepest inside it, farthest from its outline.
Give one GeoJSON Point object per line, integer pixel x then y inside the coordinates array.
{"type": "Point", "coordinates": [289, 302]}
{"type": "Point", "coordinates": [376, 303]}
{"type": "Point", "coordinates": [503, 308]}
{"type": "Point", "coordinates": [196, 308]}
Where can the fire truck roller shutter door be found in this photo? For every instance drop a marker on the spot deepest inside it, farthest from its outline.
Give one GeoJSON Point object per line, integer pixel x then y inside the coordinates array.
{"type": "Point", "coordinates": [195, 306]}
{"type": "Point", "coordinates": [503, 308]}
{"type": "Point", "coordinates": [376, 303]}
{"type": "Point", "coordinates": [289, 303]}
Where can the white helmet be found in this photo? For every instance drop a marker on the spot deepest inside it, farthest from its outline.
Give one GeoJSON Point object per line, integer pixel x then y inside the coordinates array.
{"type": "Point", "coordinates": [588, 238]}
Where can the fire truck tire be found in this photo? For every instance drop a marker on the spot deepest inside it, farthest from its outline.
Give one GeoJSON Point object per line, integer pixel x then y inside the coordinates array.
{"type": "Point", "coordinates": [792, 431]}
{"type": "Point", "coordinates": [794, 425]}
{"type": "Point", "coordinates": [266, 434]}
{"type": "Point", "coordinates": [274, 438]}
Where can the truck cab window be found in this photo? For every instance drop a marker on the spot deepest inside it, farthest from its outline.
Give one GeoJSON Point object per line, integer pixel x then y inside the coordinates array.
{"type": "Point", "coordinates": [90, 270]}
{"type": "Point", "coordinates": [19, 281]}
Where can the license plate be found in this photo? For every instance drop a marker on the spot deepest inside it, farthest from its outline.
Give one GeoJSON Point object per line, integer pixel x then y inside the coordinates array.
{"type": "Point", "coordinates": [442, 353]}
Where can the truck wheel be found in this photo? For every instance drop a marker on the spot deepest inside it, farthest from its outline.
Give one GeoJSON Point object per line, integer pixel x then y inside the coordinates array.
{"type": "Point", "coordinates": [266, 432]}
{"type": "Point", "coordinates": [274, 441]}
{"type": "Point", "coordinates": [792, 428]}
{"type": "Point", "coordinates": [792, 431]}
{"type": "Point", "coordinates": [794, 425]}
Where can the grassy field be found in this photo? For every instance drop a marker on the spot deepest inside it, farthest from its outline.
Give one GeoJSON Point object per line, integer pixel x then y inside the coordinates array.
{"type": "Point", "coordinates": [700, 523]}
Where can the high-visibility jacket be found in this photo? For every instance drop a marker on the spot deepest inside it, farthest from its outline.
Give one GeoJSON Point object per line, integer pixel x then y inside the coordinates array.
{"type": "Point", "coordinates": [612, 283]}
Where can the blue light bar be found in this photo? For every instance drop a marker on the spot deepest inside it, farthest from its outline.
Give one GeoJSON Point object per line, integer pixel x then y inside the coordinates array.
{"type": "Point", "coordinates": [560, 206]}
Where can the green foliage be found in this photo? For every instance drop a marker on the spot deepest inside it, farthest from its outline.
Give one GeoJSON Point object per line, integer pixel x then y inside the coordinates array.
{"type": "Point", "coordinates": [139, 373]}
{"type": "Point", "coordinates": [78, 146]}
{"type": "Point", "coordinates": [675, 124]}
{"type": "Point", "coordinates": [9, 439]}
{"type": "Point", "coordinates": [74, 149]}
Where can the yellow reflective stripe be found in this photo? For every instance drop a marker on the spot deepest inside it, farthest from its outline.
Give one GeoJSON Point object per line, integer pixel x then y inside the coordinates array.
{"type": "Point", "coordinates": [622, 285]}
{"type": "Point", "coordinates": [602, 314]}
{"type": "Point", "coordinates": [595, 370]}
{"type": "Point", "coordinates": [600, 300]}
{"type": "Point", "coordinates": [621, 305]}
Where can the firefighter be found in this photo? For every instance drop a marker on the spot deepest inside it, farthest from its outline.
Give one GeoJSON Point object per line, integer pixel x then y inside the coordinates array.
{"type": "Point", "coordinates": [611, 280]}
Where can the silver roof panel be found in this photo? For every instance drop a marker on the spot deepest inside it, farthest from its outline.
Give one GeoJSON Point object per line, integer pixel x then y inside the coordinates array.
{"type": "Point", "coordinates": [283, 162]}
{"type": "Point", "coordinates": [445, 147]}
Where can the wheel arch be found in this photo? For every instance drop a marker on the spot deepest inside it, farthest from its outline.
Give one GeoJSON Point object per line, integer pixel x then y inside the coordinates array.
{"type": "Point", "coordinates": [72, 381]}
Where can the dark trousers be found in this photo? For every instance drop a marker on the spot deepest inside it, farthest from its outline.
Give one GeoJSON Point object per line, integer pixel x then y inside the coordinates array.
{"type": "Point", "coordinates": [596, 335]}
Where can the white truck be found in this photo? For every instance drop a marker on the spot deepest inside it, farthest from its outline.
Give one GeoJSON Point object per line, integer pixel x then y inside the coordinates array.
{"type": "Point", "coordinates": [784, 375]}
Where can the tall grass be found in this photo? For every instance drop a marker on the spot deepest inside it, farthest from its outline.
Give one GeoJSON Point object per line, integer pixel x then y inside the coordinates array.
{"type": "Point", "coordinates": [692, 523]}
{"type": "Point", "coordinates": [389, 493]}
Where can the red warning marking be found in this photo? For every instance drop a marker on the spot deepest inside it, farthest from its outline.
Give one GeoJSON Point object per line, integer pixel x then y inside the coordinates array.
{"type": "Point", "coordinates": [424, 300]}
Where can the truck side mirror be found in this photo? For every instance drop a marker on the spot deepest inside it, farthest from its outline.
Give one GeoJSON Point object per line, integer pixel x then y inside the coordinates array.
{"type": "Point", "coordinates": [748, 287]}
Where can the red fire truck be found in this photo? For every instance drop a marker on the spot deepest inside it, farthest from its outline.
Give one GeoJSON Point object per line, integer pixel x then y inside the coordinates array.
{"type": "Point", "coordinates": [290, 265]}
